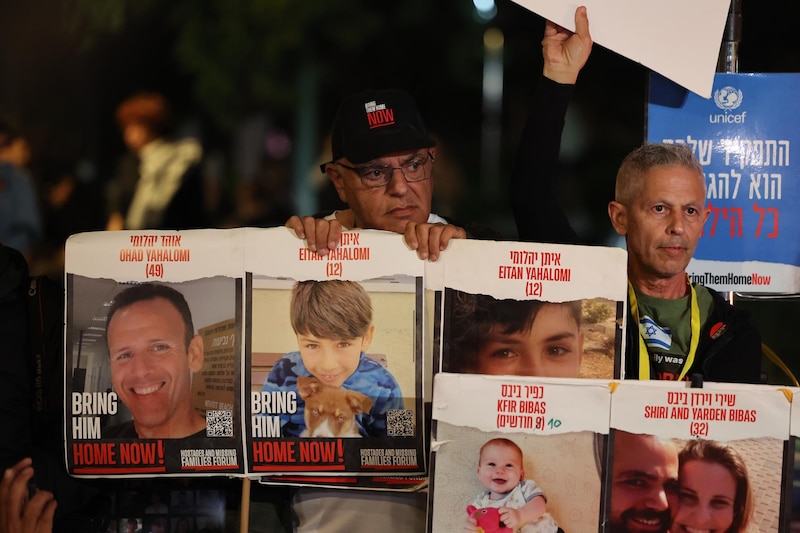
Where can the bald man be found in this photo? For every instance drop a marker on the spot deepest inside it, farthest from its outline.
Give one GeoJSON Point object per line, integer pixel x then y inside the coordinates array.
{"type": "Point", "coordinates": [644, 474]}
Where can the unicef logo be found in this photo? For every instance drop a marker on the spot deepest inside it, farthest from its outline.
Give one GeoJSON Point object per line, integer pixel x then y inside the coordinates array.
{"type": "Point", "coordinates": [728, 98]}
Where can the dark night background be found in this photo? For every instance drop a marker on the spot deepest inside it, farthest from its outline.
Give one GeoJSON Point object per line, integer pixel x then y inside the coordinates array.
{"type": "Point", "coordinates": [66, 64]}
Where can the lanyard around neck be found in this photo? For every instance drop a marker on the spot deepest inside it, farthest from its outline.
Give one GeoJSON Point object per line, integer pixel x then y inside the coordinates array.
{"type": "Point", "coordinates": [644, 355]}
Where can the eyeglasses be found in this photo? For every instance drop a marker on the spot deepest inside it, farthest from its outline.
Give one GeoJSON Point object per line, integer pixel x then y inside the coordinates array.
{"type": "Point", "coordinates": [373, 176]}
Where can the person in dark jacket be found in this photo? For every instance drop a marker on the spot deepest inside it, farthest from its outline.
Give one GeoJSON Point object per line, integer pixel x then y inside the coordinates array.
{"type": "Point", "coordinates": [660, 210]}
{"type": "Point", "coordinates": [16, 392]}
{"type": "Point", "coordinates": [676, 329]}
{"type": "Point", "coordinates": [32, 409]}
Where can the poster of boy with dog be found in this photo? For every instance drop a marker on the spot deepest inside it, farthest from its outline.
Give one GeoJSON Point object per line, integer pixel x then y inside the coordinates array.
{"type": "Point", "coordinates": [335, 356]}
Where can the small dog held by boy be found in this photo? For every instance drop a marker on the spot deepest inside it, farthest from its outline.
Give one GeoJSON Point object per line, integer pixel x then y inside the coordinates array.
{"type": "Point", "coordinates": [331, 411]}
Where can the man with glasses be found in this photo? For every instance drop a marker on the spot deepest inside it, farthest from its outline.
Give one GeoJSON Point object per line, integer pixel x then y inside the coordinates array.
{"type": "Point", "coordinates": [382, 168]}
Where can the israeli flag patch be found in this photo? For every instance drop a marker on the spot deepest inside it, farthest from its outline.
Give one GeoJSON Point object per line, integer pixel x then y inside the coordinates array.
{"type": "Point", "coordinates": [655, 337]}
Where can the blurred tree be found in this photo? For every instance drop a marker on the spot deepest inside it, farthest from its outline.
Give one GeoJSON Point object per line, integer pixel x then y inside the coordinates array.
{"type": "Point", "coordinates": [246, 54]}
{"type": "Point", "coordinates": [235, 58]}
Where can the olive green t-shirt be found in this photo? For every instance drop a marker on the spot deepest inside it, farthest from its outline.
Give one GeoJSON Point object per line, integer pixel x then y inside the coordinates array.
{"type": "Point", "coordinates": [665, 326]}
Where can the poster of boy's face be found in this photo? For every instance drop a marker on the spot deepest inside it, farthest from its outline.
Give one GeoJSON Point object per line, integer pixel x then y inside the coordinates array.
{"type": "Point", "coordinates": [485, 335]}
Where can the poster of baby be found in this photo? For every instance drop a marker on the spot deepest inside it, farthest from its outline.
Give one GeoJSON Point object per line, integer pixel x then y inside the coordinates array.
{"type": "Point", "coordinates": [521, 453]}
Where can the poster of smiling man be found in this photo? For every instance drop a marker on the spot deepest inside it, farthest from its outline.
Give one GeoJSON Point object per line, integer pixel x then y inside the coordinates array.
{"type": "Point", "coordinates": [152, 354]}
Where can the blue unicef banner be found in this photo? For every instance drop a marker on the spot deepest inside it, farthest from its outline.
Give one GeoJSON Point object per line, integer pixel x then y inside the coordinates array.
{"type": "Point", "coordinates": [743, 136]}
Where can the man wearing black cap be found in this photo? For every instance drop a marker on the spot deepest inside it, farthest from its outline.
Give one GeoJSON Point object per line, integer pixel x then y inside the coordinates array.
{"type": "Point", "coordinates": [382, 168]}
{"type": "Point", "coordinates": [383, 159]}
{"type": "Point", "coordinates": [376, 134]}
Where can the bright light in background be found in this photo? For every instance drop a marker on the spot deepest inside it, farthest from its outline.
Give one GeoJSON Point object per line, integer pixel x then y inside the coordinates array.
{"type": "Point", "coordinates": [491, 131]}
{"type": "Point", "coordinates": [493, 66]}
{"type": "Point", "coordinates": [485, 8]}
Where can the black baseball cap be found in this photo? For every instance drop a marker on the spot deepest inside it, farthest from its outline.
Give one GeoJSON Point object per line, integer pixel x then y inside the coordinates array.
{"type": "Point", "coordinates": [373, 123]}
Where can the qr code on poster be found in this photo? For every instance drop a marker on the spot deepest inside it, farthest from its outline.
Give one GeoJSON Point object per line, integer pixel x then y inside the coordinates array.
{"type": "Point", "coordinates": [219, 423]}
{"type": "Point", "coordinates": [400, 423]}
